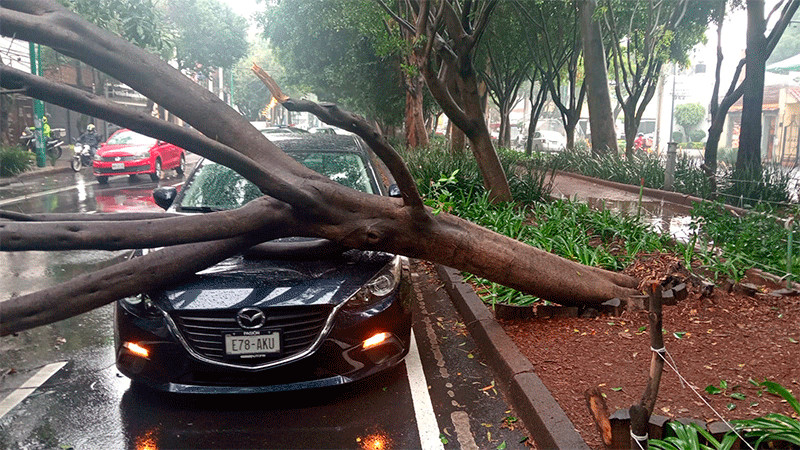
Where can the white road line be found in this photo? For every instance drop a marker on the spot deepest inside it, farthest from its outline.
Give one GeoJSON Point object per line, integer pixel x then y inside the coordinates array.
{"type": "Point", "coordinates": [13, 399]}
{"type": "Point", "coordinates": [56, 191]}
{"type": "Point", "coordinates": [39, 194]}
{"type": "Point", "coordinates": [423, 408]}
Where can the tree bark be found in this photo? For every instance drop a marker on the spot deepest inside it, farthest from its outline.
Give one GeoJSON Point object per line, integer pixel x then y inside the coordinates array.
{"type": "Point", "coordinates": [601, 122]}
{"type": "Point", "coordinates": [748, 159]}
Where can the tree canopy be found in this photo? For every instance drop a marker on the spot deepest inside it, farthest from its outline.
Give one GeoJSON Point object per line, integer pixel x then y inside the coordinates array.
{"type": "Point", "coordinates": [336, 50]}
{"type": "Point", "coordinates": [208, 34]}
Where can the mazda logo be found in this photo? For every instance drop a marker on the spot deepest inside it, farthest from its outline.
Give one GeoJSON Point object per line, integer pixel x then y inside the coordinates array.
{"type": "Point", "coordinates": [250, 318]}
{"type": "Point", "coordinates": [118, 158]}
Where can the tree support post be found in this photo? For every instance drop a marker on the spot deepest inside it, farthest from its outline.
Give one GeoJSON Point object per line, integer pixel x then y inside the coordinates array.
{"type": "Point", "coordinates": [640, 414]}
{"type": "Point", "coordinates": [669, 172]}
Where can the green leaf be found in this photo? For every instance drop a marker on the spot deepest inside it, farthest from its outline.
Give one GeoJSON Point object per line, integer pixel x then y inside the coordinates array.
{"type": "Point", "coordinates": [443, 438]}
{"type": "Point", "coordinates": [616, 389]}
{"type": "Point", "coordinates": [679, 334]}
{"type": "Point", "coordinates": [642, 328]}
{"type": "Point", "coordinates": [738, 396]}
{"type": "Point", "coordinates": [723, 384]}
{"type": "Point", "coordinates": [730, 406]}
{"type": "Point", "coordinates": [793, 340]}
{"type": "Point", "coordinates": [502, 446]}
{"type": "Point", "coordinates": [713, 390]}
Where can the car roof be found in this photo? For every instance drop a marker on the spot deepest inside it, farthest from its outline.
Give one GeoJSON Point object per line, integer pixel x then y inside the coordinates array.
{"type": "Point", "coordinates": [319, 142]}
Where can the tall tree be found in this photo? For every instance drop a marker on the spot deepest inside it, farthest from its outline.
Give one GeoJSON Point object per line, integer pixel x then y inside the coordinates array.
{"type": "Point", "coordinates": [505, 64]}
{"type": "Point", "coordinates": [451, 31]}
{"type": "Point", "coordinates": [332, 49]}
{"type": "Point", "coordinates": [643, 36]}
{"type": "Point", "coordinates": [719, 107]}
{"type": "Point", "coordinates": [759, 47]}
{"type": "Point", "coordinates": [601, 119]}
{"type": "Point", "coordinates": [555, 47]}
{"type": "Point", "coordinates": [297, 200]}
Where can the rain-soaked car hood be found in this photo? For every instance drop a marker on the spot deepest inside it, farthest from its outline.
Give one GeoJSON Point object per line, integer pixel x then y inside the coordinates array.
{"type": "Point", "coordinates": [238, 282]}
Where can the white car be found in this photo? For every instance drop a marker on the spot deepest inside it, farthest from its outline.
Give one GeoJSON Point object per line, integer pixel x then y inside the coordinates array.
{"type": "Point", "coordinates": [548, 141]}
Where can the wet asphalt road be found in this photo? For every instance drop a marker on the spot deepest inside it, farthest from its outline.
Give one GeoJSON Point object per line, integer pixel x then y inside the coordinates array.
{"type": "Point", "coordinates": [442, 396]}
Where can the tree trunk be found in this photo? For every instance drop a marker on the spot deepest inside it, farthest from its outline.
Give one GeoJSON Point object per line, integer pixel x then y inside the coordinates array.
{"type": "Point", "coordinates": [416, 132]}
{"type": "Point", "coordinates": [601, 122]}
{"type": "Point", "coordinates": [458, 140]}
{"type": "Point", "coordinates": [537, 103]}
{"type": "Point", "coordinates": [748, 160]}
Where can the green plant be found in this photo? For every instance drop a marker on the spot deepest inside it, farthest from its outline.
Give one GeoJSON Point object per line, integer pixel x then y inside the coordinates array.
{"type": "Point", "coordinates": [687, 437]}
{"type": "Point", "coordinates": [677, 136]}
{"type": "Point", "coordinates": [14, 160]}
{"type": "Point", "coordinates": [775, 426]}
{"type": "Point", "coordinates": [697, 135]}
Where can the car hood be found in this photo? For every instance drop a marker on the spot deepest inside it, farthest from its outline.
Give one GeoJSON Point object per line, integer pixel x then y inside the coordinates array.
{"type": "Point", "coordinates": [240, 282]}
{"type": "Point", "coordinates": [122, 150]}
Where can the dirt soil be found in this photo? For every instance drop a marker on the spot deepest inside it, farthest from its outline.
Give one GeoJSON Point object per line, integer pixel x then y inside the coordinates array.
{"type": "Point", "coordinates": [729, 336]}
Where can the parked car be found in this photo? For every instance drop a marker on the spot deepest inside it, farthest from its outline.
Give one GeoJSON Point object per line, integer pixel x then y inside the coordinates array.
{"type": "Point", "coordinates": [127, 152]}
{"type": "Point", "coordinates": [548, 141]}
{"type": "Point", "coordinates": [283, 129]}
{"type": "Point", "coordinates": [289, 314]}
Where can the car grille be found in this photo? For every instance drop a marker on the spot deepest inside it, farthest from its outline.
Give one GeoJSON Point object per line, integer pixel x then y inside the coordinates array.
{"type": "Point", "coordinates": [126, 169]}
{"type": "Point", "coordinates": [299, 327]}
{"type": "Point", "coordinates": [122, 158]}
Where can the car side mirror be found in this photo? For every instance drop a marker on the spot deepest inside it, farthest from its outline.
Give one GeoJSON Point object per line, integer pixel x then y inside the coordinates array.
{"type": "Point", "coordinates": [394, 191]}
{"type": "Point", "coordinates": [164, 196]}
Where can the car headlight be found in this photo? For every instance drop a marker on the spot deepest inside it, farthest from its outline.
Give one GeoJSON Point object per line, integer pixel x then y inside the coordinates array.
{"type": "Point", "coordinates": [141, 306]}
{"type": "Point", "coordinates": [378, 287]}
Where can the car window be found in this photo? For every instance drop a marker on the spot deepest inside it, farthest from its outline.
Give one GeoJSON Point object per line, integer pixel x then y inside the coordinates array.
{"type": "Point", "coordinates": [215, 186]}
{"type": "Point", "coordinates": [127, 137]}
{"type": "Point", "coordinates": [537, 135]}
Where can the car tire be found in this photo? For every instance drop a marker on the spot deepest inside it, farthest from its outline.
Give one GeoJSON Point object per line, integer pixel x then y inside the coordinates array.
{"type": "Point", "coordinates": [102, 180]}
{"type": "Point", "coordinates": [181, 169]}
{"type": "Point", "coordinates": [156, 175]}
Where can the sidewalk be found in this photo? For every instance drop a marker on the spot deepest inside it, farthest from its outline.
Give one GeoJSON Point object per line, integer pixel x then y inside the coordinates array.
{"type": "Point", "coordinates": [62, 165]}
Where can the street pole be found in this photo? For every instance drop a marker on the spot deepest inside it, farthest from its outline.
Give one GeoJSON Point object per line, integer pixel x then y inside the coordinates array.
{"type": "Point", "coordinates": [38, 109]}
{"type": "Point", "coordinates": [672, 113]}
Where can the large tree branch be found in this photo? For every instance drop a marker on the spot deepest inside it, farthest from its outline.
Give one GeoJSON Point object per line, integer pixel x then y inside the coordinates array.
{"type": "Point", "coordinates": [259, 215]}
{"type": "Point", "coordinates": [332, 115]}
{"type": "Point", "coordinates": [154, 271]}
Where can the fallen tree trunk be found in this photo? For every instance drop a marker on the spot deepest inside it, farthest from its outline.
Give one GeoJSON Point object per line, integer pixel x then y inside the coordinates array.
{"type": "Point", "coordinates": [297, 202]}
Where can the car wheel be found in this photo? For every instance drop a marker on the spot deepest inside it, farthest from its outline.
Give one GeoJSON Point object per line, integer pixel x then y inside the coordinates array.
{"type": "Point", "coordinates": [102, 180]}
{"type": "Point", "coordinates": [156, 175]}
{"type": "Point", "coordinates": [182, 166]}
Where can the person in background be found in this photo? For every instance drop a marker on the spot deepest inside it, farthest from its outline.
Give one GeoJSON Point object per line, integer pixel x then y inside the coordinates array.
{"type": "Point", "coordinates": [91, 138]}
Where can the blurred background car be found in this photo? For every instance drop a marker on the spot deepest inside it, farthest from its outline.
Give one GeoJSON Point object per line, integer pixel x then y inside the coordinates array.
{"type": "Point", "coordinates": [127, 152]}
{"type": "Point", "coordinates": [322, 130]}
{"type": "Point", "coordinates": [548, 141]}
{"type": "Point", "coordinates": [283, 129]}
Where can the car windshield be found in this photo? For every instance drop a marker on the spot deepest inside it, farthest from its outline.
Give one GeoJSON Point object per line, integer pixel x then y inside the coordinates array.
{"type": "Point", "coordinates": [127, 137]}
{"type": "Point", "coordinates": [216, 187]}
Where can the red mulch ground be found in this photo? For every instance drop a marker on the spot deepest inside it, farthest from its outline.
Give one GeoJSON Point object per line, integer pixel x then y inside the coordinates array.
{"type": "Point", "coordinates": [728, 336]}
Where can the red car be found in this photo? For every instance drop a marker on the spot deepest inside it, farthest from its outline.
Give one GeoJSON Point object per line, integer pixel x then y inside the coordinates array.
{"type": "Point", "coordinates": [129, 153]}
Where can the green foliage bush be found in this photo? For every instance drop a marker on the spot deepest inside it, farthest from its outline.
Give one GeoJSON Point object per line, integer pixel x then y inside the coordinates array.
{"type": "Point", "coordinates": [14, 160]}
{"type": "Point", "coordinates": [697, 135]}
{"type": "Point", "coordinates": [677, 136]}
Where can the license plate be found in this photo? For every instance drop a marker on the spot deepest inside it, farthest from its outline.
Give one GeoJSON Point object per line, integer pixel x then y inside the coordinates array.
{"type": "Point", "coordinates": [117, 166]}
{"type": "Point", "coordinates": [252, 345]}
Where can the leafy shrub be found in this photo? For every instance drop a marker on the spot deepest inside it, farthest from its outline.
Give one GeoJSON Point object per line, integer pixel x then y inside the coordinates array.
{"type": "Point", "coordinates": [677, 136]}
{"type": "Point", "coordinates": [697, 135]}
{"type": "Point", "coordinates": [14, 160]}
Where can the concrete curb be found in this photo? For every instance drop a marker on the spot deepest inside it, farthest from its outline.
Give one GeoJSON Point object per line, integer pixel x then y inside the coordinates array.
{"type": "Point", "coordinates": [545, 420]}
{"type": "Point", "coordinates": [658, 194]}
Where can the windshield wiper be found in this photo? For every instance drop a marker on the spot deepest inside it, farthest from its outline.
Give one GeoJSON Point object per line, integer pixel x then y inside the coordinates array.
{"type": "Point", "coordinates": [205, 209]}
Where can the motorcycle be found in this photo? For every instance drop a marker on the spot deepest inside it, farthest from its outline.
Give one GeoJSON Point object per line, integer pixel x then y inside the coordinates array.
{"type": "Point", "coordinates": [53, 148]}
{"type": "Point", "coordinates": [82, 157]}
